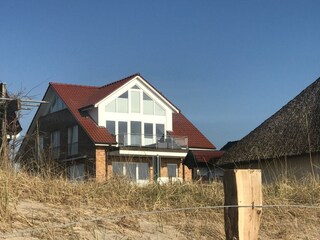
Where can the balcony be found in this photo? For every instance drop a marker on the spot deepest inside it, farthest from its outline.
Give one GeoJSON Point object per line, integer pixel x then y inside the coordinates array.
{"type": "Point", "coordinates": [152, 141]}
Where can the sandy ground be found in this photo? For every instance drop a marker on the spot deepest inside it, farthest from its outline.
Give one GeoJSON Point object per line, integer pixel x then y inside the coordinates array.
{"type": "Point", "coordinates": [34, 220]}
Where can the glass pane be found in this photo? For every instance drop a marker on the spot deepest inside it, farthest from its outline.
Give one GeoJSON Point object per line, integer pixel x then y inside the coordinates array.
{"type": "Point", "coordinates": [135, 101]}
{"type": "Point", "coordinates": [117, 168]}
{"type": "Point", "coordinates": [135, 87]}
{"type": "Point", "coordinates": [135, 133]}
{"type": "Point", "coordinates": [131, 172]}
{"type": "Point", "coordinates": [111, 127]}
{"type": "Point", "coordinates": [111, 107]}
{"type": "Point", "coordinates": [123, 133]}
{"type": "Point", "coordinates": [172, 170]}
{"type": "Point", "coordinates": [77, 172]}
{"type": "Point", "coordinates": [160, 131]}
{"type": "Point", "coordinates": [122, 105]}
{"type": "Point", "coordinates": [143, 171]}
{"type": "Point", "coordinates": [148, 107]}
{"type": "Point", "coordinates": [148, 133]}
{"type": "Point", "coordinates": [159, 110]}
{"type": "Point", "coordinates": [124, 95]}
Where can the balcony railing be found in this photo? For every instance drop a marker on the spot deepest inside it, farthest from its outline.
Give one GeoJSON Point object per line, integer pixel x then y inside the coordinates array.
{"type": "Point", "coordinates": [152, 141]}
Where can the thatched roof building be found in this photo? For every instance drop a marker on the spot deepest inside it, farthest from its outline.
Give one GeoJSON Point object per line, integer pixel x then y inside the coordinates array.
{"type": "Point", "coordinates": [293, 130]}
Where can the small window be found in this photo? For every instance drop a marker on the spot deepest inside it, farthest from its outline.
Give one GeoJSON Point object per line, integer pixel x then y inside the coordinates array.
{"type": "Point", "coordinates": [172, 170]}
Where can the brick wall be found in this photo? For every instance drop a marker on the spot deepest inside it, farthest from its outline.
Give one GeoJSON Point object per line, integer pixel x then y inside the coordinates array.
{"type": "Point", "coordinates": [101, 164]}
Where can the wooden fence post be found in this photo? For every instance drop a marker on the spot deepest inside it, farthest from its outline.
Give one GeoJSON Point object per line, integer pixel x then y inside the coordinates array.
{"type": "Point", "coordinates": [242, 187]}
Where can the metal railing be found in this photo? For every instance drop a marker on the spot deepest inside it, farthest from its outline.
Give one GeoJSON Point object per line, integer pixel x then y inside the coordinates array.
{"type": "Point", "coordinates": [152, 141]}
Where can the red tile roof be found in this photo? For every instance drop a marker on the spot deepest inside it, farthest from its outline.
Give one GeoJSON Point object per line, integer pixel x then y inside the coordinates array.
{"type": "Point", "coordinates": [77, 97]}
{"type": "Point", "coordinates": [183, 127]}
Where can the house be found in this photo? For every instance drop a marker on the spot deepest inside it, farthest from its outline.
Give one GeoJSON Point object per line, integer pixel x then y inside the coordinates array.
{"type": "Point", "coordinates": [286, 145]}
{"type": "Point", "coordinates": [204, 164]}
{"type": "Point", "coordinates": [123, 128]}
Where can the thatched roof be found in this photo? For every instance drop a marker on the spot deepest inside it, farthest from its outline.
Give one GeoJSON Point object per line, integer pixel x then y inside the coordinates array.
{"type": "Point", "coordinates": [293, 130]}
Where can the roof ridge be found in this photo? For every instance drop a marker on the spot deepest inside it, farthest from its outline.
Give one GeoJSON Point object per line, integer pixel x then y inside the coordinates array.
{"type": "Point", "coordinates": [71, 84]}
{"type": "Point", "coordinates": [123, 79]}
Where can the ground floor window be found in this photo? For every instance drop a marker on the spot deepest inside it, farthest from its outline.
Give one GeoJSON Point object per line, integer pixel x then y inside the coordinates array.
{"type": "Point", "coordinates": [172, 170]}
{"type": "Point", "coordinates": [134, 171]}
{"type": "Point", "coordinates": [76, 172]}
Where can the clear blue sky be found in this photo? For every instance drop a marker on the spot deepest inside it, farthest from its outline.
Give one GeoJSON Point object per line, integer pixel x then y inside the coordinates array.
{"type": "Point", "coordinates": [228, 65]}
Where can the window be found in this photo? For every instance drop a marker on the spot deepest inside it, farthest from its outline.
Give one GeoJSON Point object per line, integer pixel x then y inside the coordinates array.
{"type": "Point", "coordinates": [160, 131]}
{"type": "Point", "coordinates": [135, 101]}
{"type": "Point", "coordinates": [134, 171]}
{"type": "Point", "coordinates": [148, 105]}
{"type": "Point", "coordinates": [57, 104]}
{"type": "Point", "coordinates": [111, 127]}
{"type": "Point", "coordinates": [55, 144]}
{"type": "Point", "coordinates": [136, 133]}
{"type": "Point", "coordinates": [123, 133]}
{"type": "Point", "coordinates": [111, 107]}
{"type": "Point", "coordinates": [119, 104]}
{"type": "Point", "coordinates": [73, 140]}
{"type": "Point", "coordinates": [172, 170]}
{"type": "Point", "coordinates": [122, 103]}
{"type": "Point", "coordinates": [148, 133]}
{"type": "Point", "coordinates": [76, 172]}
{"type": "Point", "coordinates": [118, 168]}
{"type": "Point", "coordinates": [159, 111]}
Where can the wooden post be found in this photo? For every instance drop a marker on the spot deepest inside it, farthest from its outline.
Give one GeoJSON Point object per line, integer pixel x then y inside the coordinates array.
{"type": "Point", "coordinates": [242, 188]}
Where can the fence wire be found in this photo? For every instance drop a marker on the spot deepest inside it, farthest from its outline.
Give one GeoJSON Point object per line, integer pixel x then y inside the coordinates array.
{"type": "Point", "coordinates": [28, 231]}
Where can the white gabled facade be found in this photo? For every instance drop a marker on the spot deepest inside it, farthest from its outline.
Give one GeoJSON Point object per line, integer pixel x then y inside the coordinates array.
{"type": "Point", "coordinates": [133, 110]}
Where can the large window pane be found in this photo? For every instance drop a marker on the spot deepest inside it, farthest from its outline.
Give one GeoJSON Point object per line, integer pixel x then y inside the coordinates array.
{"type": "Point", "coordinates": [135, 101]}
{"type": "Point", "coordinates": [122, 103]}
{"type": "Point", "coordinates": [55, 143]}
{"type": "Point", "coordinates": [148, 105]}
{"type": "Point", "coordinates": [131, 171]}
{"type": "Point", "coordinates": [117, 168]}
{"type": "Point", "coordinates": [148, 133]}
{"type": "Point", "coordinates": [135, 133]}
{"type": "Point", "coordinates": [123, 133]}
{"type": "Point", "coordinates": [160, 131]}
{"type": "Point", "coordinates": [111, 107]}
{"type": "Point", "coordinates": [143, 171]}
{"type": "Point", "coordinates": [159, 111]}
{"type": "Point", "coordinates": [73, 140]}
{"type": "Point", "coordinates": [111, 127]}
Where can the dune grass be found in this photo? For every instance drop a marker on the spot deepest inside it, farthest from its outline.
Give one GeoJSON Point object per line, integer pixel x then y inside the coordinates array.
{"type": "Point", "coordinates": [28, 202]}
